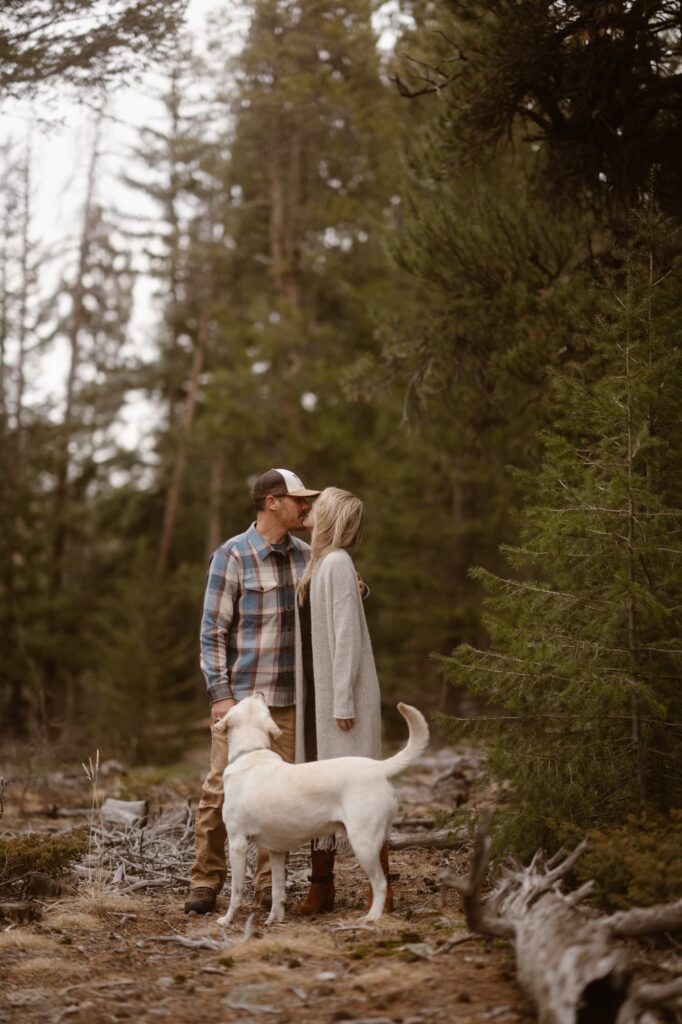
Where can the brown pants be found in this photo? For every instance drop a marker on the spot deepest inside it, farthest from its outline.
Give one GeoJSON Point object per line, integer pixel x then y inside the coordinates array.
{"type": "Point", "coordinates": [209, 868]}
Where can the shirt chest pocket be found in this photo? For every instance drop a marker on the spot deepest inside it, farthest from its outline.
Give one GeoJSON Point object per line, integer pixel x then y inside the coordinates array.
{"type": "Point", "coordinates": [259, 598]}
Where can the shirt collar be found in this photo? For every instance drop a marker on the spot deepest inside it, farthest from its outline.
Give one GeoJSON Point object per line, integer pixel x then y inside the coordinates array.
{"type": "Point", "coordinates": [262, 546]}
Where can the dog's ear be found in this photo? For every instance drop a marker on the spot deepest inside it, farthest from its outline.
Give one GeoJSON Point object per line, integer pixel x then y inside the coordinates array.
{"type": "Point", "coordinates": [259, 695]}
{"type": "Point", "coordinates": [224, 723]}
{"type": "Point", "coordinates": [273, 729]}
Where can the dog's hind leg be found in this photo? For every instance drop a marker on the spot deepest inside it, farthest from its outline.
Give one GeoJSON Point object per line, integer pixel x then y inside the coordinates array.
{"type": "Point", "coordinates": [238, 848]}
{"type": "Point", "coordinates": [367, 852]}
{"type": "Point", "coordinates": [278, 869]}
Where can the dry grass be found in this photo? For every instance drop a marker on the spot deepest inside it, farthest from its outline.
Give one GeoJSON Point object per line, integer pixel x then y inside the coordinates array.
{"type": "Point", "coordinates": [101, 901]}
{"type": "Point", "coordinates": [46, 970]}
{"type": "Point", "coordinates": [23, 941]}
{"type": "Point", "coordinates": [246, 972]}
{"type": "Point", "coordinates": [305, 945]}
{"type": "Point", "coordinates": [74, 921]}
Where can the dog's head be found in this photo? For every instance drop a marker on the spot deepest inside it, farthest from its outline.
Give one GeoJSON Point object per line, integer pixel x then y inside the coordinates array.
{"type": "Point", "coordinates": [250, 716]}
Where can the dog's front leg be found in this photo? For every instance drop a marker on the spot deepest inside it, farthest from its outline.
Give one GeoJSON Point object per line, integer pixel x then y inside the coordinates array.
{"type": "Point", "coordinates": [238, 847]}
{"type": "Point", "coordinates": [278, 870]}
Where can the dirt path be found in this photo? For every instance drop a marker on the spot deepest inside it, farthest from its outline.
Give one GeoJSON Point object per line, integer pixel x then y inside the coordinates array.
{"type": "Point", "coordinates": [102, 957]}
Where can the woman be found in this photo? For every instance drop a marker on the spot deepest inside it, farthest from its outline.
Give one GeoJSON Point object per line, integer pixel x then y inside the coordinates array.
{"type": "Point", "coordinates": [338, 710]}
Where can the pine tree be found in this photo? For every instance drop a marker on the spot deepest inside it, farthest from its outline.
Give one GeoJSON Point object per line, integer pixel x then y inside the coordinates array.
{"type": "Point", "coordinates": [582, 677]}
{"type": "Point", "coordinates": [594, 87]}
{"type": "Point", "coordinates": [80, 42]}
{"type": "Point", "coordinates": [21, 460]}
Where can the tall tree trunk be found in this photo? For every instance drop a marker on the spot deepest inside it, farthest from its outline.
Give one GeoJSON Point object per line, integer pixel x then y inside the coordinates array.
{"type": "Point", "coordinates": [12, 441]}
{"type": "Point", "coordinates": [23, 292]}
{"type": "Point", "coordinates": [76, 323]}
{"type": "Point", "coordinates": [180, 463]}
{"type": "Point", "coordinates": [631, 556]}
{"type": "Point", "coordinates": [214, 531]}
{"type": "Point", "coordinates": [57, 695]}
{"type": "Point", "coordinates": [277, 207]}
{"type": "Point", "coordinates": [292, 281]}
{"type": "Point", "coordinates": [5, 232]}
{"type": "Point", "coordinates": [171, 209]}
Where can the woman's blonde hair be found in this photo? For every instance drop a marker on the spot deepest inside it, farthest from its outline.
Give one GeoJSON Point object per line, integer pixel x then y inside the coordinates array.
{"type": "Point", "coordinates": [338, 526]}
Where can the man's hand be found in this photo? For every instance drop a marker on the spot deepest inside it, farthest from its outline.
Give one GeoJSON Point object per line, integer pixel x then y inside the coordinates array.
{"type": "Point", "coordinates": [345, 724]}
{"type": "Point", "coordinates": [220, 708]}
{"type": "Point", "coordinates": [364, 589]}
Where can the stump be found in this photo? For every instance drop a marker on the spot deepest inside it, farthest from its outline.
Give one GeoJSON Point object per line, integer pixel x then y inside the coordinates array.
{"type": "Point", "coordinates": [125, 812]}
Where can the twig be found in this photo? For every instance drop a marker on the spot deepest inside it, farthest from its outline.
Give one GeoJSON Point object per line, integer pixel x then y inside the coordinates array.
{"type": "Point", "coordinates": [477, 918]}
{"type": "Point", "coordinates": [457, 941]}
{"type": "Point", "coordinates": [198, 943]}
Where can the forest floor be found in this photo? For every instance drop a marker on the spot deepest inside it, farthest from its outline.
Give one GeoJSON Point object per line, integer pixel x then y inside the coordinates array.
{"type": "Point", "coordinates": [99, 955]}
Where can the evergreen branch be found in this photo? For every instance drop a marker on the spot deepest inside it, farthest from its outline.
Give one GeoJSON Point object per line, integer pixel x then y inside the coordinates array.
{"type": "Point", "coordinates": [562, 717]}
{"type": "Point", "coordinates": [518, 585]}
{"type": "Point", "coordinates": [618, 512]}
{"type": "Point", "coordinates": [569, 640]}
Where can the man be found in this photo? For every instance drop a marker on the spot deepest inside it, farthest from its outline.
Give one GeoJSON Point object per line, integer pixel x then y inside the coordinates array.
{"type": "Point", "coordinates": [247, 644]}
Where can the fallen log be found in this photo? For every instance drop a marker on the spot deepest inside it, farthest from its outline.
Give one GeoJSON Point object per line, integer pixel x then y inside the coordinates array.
{"type": "Point", "coordinates": [567, 963]}
{"type": "Point", "coordinates": [442, 839]}
{"type": "Point", "coordinates": [20, 912]}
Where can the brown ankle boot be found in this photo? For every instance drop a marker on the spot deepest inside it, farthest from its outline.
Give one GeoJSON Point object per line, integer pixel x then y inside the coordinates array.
{"type": "Point", "coordinates": [320, 898]}
{"type": "Point", "coordinates": [388, 902]}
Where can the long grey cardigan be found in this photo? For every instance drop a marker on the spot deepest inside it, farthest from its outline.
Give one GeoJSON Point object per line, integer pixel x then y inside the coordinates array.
{"type": "Point", "coordinates": [346, 683]}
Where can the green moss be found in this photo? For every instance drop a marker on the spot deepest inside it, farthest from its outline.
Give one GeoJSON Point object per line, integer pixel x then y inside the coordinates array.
{"type": "Point", "coordinates": [361, 952]}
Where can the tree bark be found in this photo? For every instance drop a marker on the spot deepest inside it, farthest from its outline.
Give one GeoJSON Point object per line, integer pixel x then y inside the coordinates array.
{"type": "Point", "coordinates": [180, 462]}
{"type": "Point", "coordinates": [277, 208]}
{"type": "Point", "coordinates": [296, 208]}
{"type": "Point", "coordinates": [76, 324]}
{"type": "Point", "coordinates": [566, 961]}
{"type": "Point", "coordinates": [214, 532]}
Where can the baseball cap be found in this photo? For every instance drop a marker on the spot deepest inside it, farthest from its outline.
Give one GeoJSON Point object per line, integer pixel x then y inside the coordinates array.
{"type": "Point", "coordinates": [279, 483]}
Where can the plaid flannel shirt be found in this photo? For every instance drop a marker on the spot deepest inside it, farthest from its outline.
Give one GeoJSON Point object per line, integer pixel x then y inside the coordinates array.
{"type": "Point", "coordinates": [247, 628]}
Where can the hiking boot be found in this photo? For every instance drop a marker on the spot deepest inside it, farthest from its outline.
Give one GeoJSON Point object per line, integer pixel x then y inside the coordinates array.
{"type": "Point", "coordinates": [320, 898]}
{"type": "Point", "coordinates": [200, 900]}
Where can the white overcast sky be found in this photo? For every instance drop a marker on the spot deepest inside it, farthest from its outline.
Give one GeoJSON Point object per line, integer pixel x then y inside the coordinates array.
{"type": "Point", "coordinates": [60, 134]}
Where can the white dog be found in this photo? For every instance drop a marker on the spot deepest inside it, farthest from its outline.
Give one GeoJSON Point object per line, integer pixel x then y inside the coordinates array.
{"type": "Point", "coordinates": [280, 806]}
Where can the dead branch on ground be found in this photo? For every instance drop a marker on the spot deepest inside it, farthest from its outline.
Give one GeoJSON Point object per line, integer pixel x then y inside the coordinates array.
{"type": "Point", "coordinates": [567, 962]}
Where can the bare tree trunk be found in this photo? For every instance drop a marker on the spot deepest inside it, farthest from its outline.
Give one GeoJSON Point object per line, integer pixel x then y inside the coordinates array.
{"type": "Point", "coordinates": [175, 187]}
{"type": "Point", "coordinates": [23, 292]}
{"type": "Point", "coordinates": [57, 696]}
{"type": "Point", "coordinates": [631, 557]}
{"type": "Point", "coordinates": [277, 207]}
{"type": "Point", "coordinates": [287, 198]}
{"type": "Point", "coordinates": [17, 201]}
{"type": "Point", "coordinates": [180, 463]}
{"type": "Point", "coordinates": [5, 233]}
{"type": "Point", "coordinates": [296, 206]}
{"type": "Point", "coordinates": [214, 532]}
{"type": "Point", "coordinates": [76, 324]}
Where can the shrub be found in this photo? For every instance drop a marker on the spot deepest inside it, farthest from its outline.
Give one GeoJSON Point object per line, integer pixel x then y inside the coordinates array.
{"type": "Point", "coordinates": [50, 855]}
{"type": "Point", "coordinates": [638, 863]}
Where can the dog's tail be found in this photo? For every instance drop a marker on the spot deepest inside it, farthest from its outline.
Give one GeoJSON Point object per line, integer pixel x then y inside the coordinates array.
{"type": "Point", "coordinates": [416, 744]}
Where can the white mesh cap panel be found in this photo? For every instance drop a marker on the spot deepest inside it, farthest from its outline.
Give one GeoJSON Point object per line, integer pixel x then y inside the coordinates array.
{"type": "Point", "coordinates": [291, 481]}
